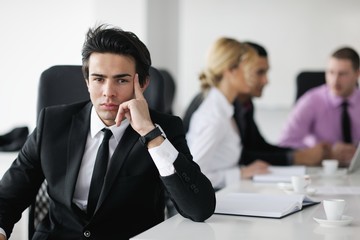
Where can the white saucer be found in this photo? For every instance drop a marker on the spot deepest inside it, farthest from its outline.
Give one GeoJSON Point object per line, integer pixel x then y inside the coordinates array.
{"type": "Point", "coordinates": [285, 186]}
{"type": "Point", "coordinates": [345, 220]}
{"type": "Point", "coordinates": [288, 188]}
{"type": "Point", "coordinates": [338, 173]}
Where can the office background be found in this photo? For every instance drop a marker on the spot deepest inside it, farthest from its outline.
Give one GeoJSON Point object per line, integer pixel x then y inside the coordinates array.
{"type": "Point", "coordinates": [298, 35]}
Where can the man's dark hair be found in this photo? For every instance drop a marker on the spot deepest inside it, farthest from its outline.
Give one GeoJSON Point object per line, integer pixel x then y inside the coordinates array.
{"type": "Point", "coordinates": [348, 54]}
{"type": "Point", "coordinates": [258, 48]}
{"type": "Point", "coordinates": [106, 39]}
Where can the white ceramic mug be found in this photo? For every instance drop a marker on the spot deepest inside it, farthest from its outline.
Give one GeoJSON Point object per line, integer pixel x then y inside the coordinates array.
{"type": "Point", "coordinates": [330, 166]}
{"type": "Point", "coordinates": [334, 208]}
{"type": "Point", "coordinates": [300, 183]}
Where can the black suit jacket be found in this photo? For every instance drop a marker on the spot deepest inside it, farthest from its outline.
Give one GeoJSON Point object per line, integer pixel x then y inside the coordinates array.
{"type": "Point", "coordinates": [133, 196]}
{"type": "Point", "coordinates": [254, 144]}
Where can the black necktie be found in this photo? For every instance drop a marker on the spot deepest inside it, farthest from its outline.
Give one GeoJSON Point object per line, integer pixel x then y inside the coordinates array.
{"type": "Point", "coordinates": [346, 124]}
{"type": "Point", "coordinates": [242, 117]}
{"type": "Point", "coordinates": [97, 179]}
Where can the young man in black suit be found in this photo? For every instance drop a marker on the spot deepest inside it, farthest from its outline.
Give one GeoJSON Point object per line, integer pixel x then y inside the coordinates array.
{"type": "Point", "coordinates": [147, 154]}
{"type": "Point", "coordinates": [254, 144]}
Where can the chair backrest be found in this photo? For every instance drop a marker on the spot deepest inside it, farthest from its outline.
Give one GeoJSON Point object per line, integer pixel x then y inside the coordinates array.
{"type": "Point", "coordinates": [194, 104]}
{"type": "Point", "coordinates": [154, 93]}
{"type": "Point", "coordinates": [307, 80]}
{"type": "Point", "coordinates": [64, 84]}
{"type": "Point", "coordinates": [61, 84]}
{"type": "Point", "coordinates": [170, 89]}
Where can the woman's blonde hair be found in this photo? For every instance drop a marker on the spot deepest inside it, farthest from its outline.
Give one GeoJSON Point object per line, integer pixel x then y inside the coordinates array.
{"type": "Point", "coordinates": [226, 53]}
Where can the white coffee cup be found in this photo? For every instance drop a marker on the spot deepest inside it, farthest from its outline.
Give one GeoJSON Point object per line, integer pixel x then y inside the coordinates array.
{"type": "Point", "coordinates": [300, 183]}
{"type": "Point", "coordinates": [334, 208]}
{"type": "Point", "coordinates": [330, 166]}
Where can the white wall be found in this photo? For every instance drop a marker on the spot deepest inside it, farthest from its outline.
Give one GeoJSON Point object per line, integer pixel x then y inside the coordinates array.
{"type": "Point", "coordinates": [40, 33]}
{"type": "Point", "coordinates": [297, 34]}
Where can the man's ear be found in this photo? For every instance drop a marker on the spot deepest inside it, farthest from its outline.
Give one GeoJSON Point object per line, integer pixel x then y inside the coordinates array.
{"type": "Point", "coordinates": [145, 84]}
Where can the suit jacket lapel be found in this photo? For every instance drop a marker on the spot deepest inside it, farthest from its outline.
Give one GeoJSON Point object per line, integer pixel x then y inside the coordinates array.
{"type": "Point", "coordinates": [77, 140]}
{"type": "Point", "coordinates": [117, 160]}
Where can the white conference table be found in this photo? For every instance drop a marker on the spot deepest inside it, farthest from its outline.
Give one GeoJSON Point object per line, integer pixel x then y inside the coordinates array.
{"type": "Point", "coordinates": [298, 226]}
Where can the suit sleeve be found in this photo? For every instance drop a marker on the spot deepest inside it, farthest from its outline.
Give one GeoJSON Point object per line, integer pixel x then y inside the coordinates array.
{"type": "Point", "coordinates": [190, 190]}
{"type": "Point", "coordinates": [256, 147]}
{"type": "Point", "coordinates": [20, 183]}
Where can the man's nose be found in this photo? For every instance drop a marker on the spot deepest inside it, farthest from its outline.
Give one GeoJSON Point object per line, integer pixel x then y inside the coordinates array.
{"type": "Point", "coordinates": [108, 89]}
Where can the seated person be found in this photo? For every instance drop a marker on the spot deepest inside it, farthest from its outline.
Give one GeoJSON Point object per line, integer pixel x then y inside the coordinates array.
{"type": "Point", "coordinates": [108, 161]}
{"type": "Point", "coordinates": [329, 113]}
{"type": "Point", "coordinates": [254, 145]}
{"type": "Point", "coordinates": [213, 136]}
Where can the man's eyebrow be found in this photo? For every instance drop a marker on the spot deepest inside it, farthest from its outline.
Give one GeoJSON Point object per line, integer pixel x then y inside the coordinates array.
{"type": "Point", "coordinates": [115, 76]}
{"type": "Point", "coordinates": [122, 75]}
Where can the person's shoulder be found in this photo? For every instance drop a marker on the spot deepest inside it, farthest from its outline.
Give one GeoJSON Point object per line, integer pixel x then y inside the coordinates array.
{"type": "Point", "coordinates": [71, 106]}
{"type": "Point", "coordinates": [315, 94]}
{"type": "Point", "coordinates": [163, 118]}
{"type": "Point", "coordinates": [66, 109]}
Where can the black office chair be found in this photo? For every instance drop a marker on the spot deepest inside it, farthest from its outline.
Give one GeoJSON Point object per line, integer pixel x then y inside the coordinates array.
{"type": "Point", "coordinates": [169, 91]}
{"type": "Point", "coordinates": [307, 80]}
{"type": "Point", "coordinates": [194, 104]}
{"type": "Point", "coordinates": [64, 84]}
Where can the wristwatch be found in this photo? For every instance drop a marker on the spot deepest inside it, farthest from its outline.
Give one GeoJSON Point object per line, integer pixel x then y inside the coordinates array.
{"type": "Point", "coordinates": [150, 136]}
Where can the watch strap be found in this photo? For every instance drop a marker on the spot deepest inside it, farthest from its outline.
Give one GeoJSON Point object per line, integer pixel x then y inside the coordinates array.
{"type": "Point", "coordinates": [150, 136]}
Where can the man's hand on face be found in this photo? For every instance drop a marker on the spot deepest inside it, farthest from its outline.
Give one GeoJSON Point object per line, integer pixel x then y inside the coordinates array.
{"type": "Point", "coordinates": [136, 111]}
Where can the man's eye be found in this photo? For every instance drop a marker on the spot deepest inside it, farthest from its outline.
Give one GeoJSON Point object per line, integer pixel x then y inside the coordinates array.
{"type": "Point", "coordinates": [122, 81]}
{"type": "Point", "coordinates": [97, 79]}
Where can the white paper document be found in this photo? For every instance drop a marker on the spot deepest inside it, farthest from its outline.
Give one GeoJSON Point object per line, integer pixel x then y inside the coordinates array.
{"type": "Point", "coordinates": [280, 174]}
{"type": "Point", "coordinates": [261, 205]}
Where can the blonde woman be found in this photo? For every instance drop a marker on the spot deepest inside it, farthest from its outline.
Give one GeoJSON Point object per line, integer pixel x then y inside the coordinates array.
{"type": "Point", "coordinates": [213, 136]}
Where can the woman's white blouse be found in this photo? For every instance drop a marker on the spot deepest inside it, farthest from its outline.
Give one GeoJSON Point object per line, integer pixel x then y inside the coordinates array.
{"type": "Point", "coordinates": [214, 139]}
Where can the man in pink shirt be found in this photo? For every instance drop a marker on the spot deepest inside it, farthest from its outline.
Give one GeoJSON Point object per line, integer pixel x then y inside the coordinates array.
{"type": "Point", "coordinates": [317, 115]}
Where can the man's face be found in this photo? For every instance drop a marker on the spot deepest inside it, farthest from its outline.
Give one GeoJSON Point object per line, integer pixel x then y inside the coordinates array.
{"type": "Point", "coordinates": [259, 77]}
{"type": "Point", "coordinates": [111, 82]}
{"type": "Point", "coordinates": [341, 77]}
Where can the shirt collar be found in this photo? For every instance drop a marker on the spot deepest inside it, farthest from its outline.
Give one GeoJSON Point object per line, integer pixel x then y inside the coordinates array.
{"type": "Point", "coordinates": [96, 125]}
{"type": "Point", "coordinates": [336, 101]}
{"type": "Point", "coordinates": [221, 102]}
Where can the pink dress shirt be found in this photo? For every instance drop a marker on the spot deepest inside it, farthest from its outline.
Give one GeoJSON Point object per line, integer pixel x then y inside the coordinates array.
{"type": "Point", "coordinates": [316, 118]}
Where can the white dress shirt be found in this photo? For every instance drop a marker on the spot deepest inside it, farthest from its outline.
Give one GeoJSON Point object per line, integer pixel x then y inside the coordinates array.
{"type": "Point", "coordinates": [163, 156]}
{"type": "Point", "coordinates": [214, 139]}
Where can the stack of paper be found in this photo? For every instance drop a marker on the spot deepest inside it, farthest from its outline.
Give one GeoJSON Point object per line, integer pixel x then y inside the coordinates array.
{"type": "Point", "coordinates": [280, 174]}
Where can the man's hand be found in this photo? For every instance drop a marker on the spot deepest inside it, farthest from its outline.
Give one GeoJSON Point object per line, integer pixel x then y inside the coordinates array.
{"type": "Point", "coordinates": [136, 111]}
{"type": "Point", "coordinates": [311, 156]}
{"type": "Point", "coordinates": [343, 152]}
{"type": "Point", "coordinates": [256, 167]}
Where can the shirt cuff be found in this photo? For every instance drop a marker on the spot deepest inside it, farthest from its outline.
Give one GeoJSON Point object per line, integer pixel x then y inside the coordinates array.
{"type": "Point", "coordinates": [3, 232]}
{"type": "Point", "coordinates": [164, 157]}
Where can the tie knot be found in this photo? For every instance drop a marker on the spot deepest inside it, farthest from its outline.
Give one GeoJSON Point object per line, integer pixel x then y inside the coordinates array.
{"type": "Point", "coordinates": [107, 133]}
{"type": "Point", "coordinates": [345, 104]}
